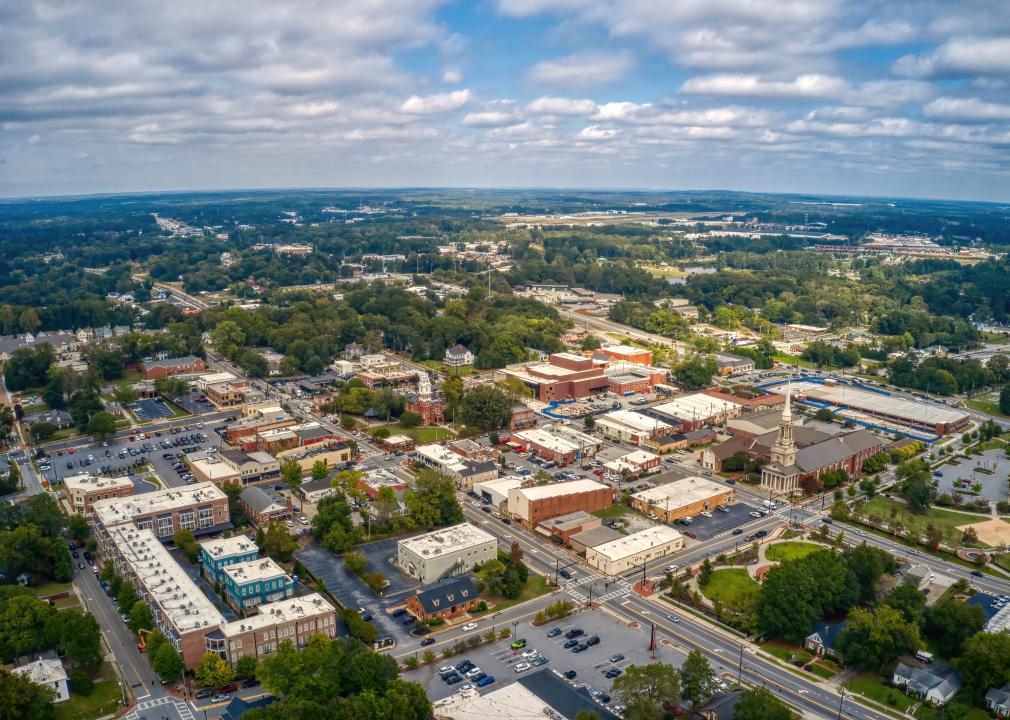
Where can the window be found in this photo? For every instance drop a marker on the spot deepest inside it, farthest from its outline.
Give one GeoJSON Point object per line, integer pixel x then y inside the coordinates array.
{"type": "Point", "coordinates": [165, 526]}
{"type": "Point", "coordinates": [187, 520]}
{"type": "Point", "coordinates": [206, 516]}
{"type": "Point", "coordinates": [145, 524]}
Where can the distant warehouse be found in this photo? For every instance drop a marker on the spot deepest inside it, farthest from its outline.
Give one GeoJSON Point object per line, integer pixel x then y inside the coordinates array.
{"type": "Point", "coordinates": [533, 505]}
{"type": "Point", "coordinates": [617, 556]}
{"type": "Point", "coordinates": [922, 416]}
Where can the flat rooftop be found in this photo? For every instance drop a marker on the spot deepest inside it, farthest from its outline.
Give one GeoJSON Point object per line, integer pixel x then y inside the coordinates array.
{"type": "Point", "coordinates": [698, 406]}
{"type": "Point", "coordinates": [636, 421]}
{"type": "Point", "coordinates": [447, 540]}
{"type": "Point", "coordinates": [441, 455]}
{"type": "Point", "coordinates": [281, 611]}
{"type": "Point", "coordinates": [254, 570]}
{"type": "Point", "coordinates": [548, 440]}
{"type": "Point", "coordinates": [115, 511]}
{"type": "Point", "coordinates": [228, 547]}
{"type": "Point", "coordinates": [563, 488]}
{"type": "Point", "coordinates": [88, 482]}
{"type": "Point", "coordinates": [681, 492]}
{"type": "Point", "coordinates": [925, 413]}
{"type": "Point", "coordinates": [182, 602]}
{"type": "Point", "coordinates": [637, 542]}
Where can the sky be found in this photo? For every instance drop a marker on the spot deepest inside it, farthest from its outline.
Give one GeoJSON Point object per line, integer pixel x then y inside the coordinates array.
{"type": "Point", "coordinates": [897, 97]}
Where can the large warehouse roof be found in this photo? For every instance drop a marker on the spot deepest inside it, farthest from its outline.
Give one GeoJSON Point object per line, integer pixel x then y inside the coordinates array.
{"type": "Point", "coordinates": [637, 542]}
{"type": "Point", "coordinates": [681, 492]}
{"type": "Point", "coordinates": [698, 406]}
{"type": "Point", "coordinates": [925, 413]}
{"type": "Point", "coordinates": [562, 488]}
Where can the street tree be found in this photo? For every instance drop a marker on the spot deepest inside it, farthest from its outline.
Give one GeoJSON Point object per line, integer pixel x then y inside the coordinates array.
{"type": "Point", "coordinates": [645, 689]}
{"type": "Point", "coordinates": [486, 408]}
{"type": "Point", "coordinates": [167, 662]}
{"type": "Point", "coordinates": [291, 473]}
{"type": "Point", "coordinates": [696, 678]}
{"type": "Point", "coordinates": [872, 638]}
{"type": "Point", "coordinates": [760, 704]}
{"type": "Point", "coordinates": [213, 671]}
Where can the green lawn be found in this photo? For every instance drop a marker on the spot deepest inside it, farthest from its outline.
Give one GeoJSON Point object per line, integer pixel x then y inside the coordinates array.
{"type": "Point", "coordinates": [990, 407]}
{"type": "Point", "coordinates": [420, 435]}
{"type": "Point", "coordinates": [780, 552]}
{"type": "Point", "coordinates": [871, 686]}
{"type": "Point", "coordinates": [786, 652]}
{"type": "Point", "coordinates": [103, 700]}
{"type": "Point", "coordinates": [792, 360]}
{"type": "Point", "coordinates": [536, 585]}
{"type": "Point", "coordinates": [731, 586]}
{"type": "Point", "coordinates": [50, 588]}
{"type": "Point", "coordinates": [439, 366]}
{"type": "Point", "coordinates": [945, 520]}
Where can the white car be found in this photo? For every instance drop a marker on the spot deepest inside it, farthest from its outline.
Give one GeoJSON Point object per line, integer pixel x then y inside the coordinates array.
{"type": "Point", "coordinates": [464, 687]}
{"type": "Point", "coordinates": [473, 673]}
{"type": "Point", "coordinates": [445, 669]}
{"type": "Point", "coordinates": [705, 513]}
{"type": "Point", "coordinates": [470, 626]}
{"type": "Point", "coordinates": [523, 667]}
{"type": "Point", "coordinates": [530, 654]}
{"type": "Point", "coordinates": [303, 520]}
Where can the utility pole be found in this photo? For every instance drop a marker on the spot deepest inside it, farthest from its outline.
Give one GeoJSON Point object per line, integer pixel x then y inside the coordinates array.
{"type": "Point", "coordinates": [739, 669]}
{"type": "Point", "coordinates": [841, 701]}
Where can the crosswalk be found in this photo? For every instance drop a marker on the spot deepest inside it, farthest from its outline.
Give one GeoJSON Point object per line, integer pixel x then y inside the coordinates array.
{"type": "Point", "coordinates": [182, 709]}
{"type": "Point", "coordinates": [605, 589]}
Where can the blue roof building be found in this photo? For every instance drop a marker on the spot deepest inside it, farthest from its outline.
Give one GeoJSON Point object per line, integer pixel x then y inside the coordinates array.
{"type": "Point", "coordinates": [256, 582]}
{"type": "Point", "coordinates": [217, 554]}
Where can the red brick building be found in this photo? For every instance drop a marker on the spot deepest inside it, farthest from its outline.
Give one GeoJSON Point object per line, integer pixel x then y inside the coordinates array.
{"type": "Point", "coordinates": [447, 601]}
{"type": "Point", "coordinates": [154, 369]}
{"type": "Point", "coordinates": [565, 376]}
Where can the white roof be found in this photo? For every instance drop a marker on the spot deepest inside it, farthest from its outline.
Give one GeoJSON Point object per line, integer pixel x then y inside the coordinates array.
{"type": "Point", "coordinates": [698, 406]}
{"type": "Point", "coordinates": [278, 612]}
{"type": "Point", "coordinates": [548, 440]}
{"type": "Point", "coordinates": [253, 570]}
{"type": "Point", "coordinates": [447, 540]}
{"type": "Point", "coordinates": [641, 541]}
{"type": "Point", "coordinates": [631, 461]}
{"type": "Point", "coordinates": [442, 456]}
{"type": "Point", "coordinates": [89, 482]}
{"type": "Point", "coordinates": [636, 421]}
{"type": "Point", "coordinates": [563, 488]}
{"type": "Point", "coordinates": [624, 349]}
{"type": "Point", "coordinates": [115, 511]}
{"type": "Point", "coordinates": [228, 547]}
{"type": "Point", "coordinates": [857, 399]}
{"type": "Point", "coordinates": [681, 492]}
{"type": "Point", "coordinates": [501, 485]}
{"type": "Point", "coordinates": [43, 671]}
{"type": "Point", "coordinates": [182, 602]}
{"type": "Point", "coordinates": [513, 701]}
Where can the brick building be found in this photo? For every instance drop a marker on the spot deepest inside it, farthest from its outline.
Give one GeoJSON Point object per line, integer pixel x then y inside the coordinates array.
{"type": "Point", "coordinates": [565, 376]}
{"type": "Point", "coordinates": [446, 600]}
{"type": "Point", "coordinates": [533, 505]}
{"type": "Point", "coordinates": [84, 490]}
{"type": "Point", "coordinates": [154, 369]}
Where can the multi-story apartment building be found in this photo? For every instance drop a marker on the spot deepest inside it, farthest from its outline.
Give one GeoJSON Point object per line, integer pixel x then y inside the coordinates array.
{"type": "Point", "coordinates": [84, 490]}
{"type": "Point", "coordinates": [256, 582]}
{"type": "Point", "coordinates": [219, 553]}
{"type": "Point", "coordinates": [202, 508]}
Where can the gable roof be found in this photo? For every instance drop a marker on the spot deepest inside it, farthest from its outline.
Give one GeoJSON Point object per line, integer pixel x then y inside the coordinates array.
{"type": "Point", "coordinates": [828, 633]}
{"type": "Point", "coordinates": [170, 362]}
{"type": "Point", "coordinates": [261, 498]}
{"type": "Point", "coordinates": [941, 677]}
{"type": "Point", "coordinates": [445, 596]}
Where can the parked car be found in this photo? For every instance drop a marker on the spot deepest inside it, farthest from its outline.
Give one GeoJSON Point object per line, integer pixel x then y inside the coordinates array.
{"type": "Point", "coordinates": [485, 681]}
{"type": "Point", "coordinates": [428, 641]}
{"type": "Point", "coordinates": [554, 633]}
{"type": "Point", "coordinates": [574, 633]}
{"type": "Point", "coordinates": [205, 693]}
{"type": "Point", "coordinates": [570, 674]}
{"type": "Point", "coordinates": [220, 697]}
{"type": "Point", "coordinates": [522, 667]}
{"type": "Point", "coordinates": [541, 660]}
{"type": "Point", "coordinates": [518, 644]}
{"type": "Point", "coordinates": [616, 657]}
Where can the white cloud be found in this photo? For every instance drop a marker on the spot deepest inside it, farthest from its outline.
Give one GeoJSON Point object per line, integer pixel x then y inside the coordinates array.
{"type": "Point", "coordinates": [452, 76]}
{"type": "Point", "coordinates": [548, 105]}
{"type": "Point", "coordinates": [489, 118]}
{"type": "Point", "coordinates": [960, 57]}
{"type": "Point", "coordinates": [967, 110]}
{"type": "Point", "coordinates": [596, 133]}
{"type": "Point", "coordinates": [584, 69]}
{"type": "Point", "coordinates": [804, 86]}
{"type": "Point", "coordinates": [436, 103]}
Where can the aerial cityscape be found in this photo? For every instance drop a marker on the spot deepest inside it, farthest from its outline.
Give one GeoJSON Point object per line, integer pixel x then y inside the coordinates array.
{"type": "Point", "coordinates": [520, 359]}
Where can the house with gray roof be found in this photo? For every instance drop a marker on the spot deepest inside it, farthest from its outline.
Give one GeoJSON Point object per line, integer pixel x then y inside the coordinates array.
{"type": "Point", "coordinates": [997, 700]}
{"type": "Point", "coordinates": [264, 504]}
{"type": "Point", "coordinates": [935, 684]}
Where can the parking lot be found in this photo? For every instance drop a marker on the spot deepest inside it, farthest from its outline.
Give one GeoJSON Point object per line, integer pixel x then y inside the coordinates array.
{"type": "Point", "coordinates": [121, 456]}
{"type": "Point", "coordinates": [989, 470]}
{"type": "Point", "coordinates": [590, 665]}
{"type": "Point", "coordinates": [735, 516]}
{"type": "Point", "coordinates": [351, 592]}
{"type": "Point", "coordinates": [151, 409]}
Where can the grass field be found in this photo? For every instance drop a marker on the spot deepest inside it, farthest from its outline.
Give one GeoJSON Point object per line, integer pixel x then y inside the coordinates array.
{"type": "Point", "coordinates": [780, 552]}
{"type": "Point", "coordinates": [990, 407]}
{"type": "Point", "coordinates": [536, 585]}
{"type": "Point", "coordinates": [792, 360]}
{"type": "Point", "coordinates": [731, 586]}
{"type": "Point", "coordinates": [615, 512]}
{"type": "Point", "coordinates": [441, 367]}
{"type": "Point", "coordinates": [50, 588]}
{"type": "Point", "coordinates": [786, 652]}
{"type": "Point", "coordinates": [103, 700]}
{"type": "Point", "coordinates": [945, 520]}
{"type": "Point", "coordinates": [871, 686]}
{"type": "Point", "coordinates": [420, 435]}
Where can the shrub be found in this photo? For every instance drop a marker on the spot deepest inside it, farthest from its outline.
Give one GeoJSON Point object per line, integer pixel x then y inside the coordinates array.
{"type": "Point", "coordinates": [410, 662]}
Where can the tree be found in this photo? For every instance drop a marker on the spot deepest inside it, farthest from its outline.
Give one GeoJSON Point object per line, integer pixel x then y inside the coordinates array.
{"type": "Point", "coordinates": [760, 704]}
{"type": "Point", "coordinates": [319, 470]}
{"type": "Point", "coordinates": [705, 573]}
{"type": "Point", "coordinates": [42, 431]}
{"type": "Point", "coordinates": [78, 635]}
{"type": "Point", "coordinates": [410, 419]}
{"type": "Point", "coordinates": [101, 425]}
{"type": "Point", "coordinates": [213, 671]}
{"type": "Point", "coordinates": [985, 661]}
{"type": "Point", "coordinates": [29, 320]}
{"type": "Point", "coordinates": [872, 638]}
{"type": "Point", "coordinates": [696, 372]}
{"type": "Point", "coordinates": [125, 394]}
{"type": "Point", "coordinates": [291, 473]}
{"type": "Point", "coordinates": [253, 363]}
{"type": "Point", "coordinates": [167, 662]}
{"type": "Point", "coordinates": [950, 623]}
{"type": "Point", "coordinates": [127, 597]}
{"type": "Point", "coordinates": [171, 387]}
{"type": "Point", "coordinates": [20, 697]}
{"type": "Point", "coordinates": [452, 387]}
{"type": "Point", "coordinates": [278, 543]}
{"type": "Point", "coordinates": [916, 485]}
{"type": "Point", "coordinates": [228, 337]}
{"type": "Point", "coordinates": [358, 628]}
{"type": "Point", "coordinates": [696, 678]}
{"type": "Point", "coordinates": [140, 617]}
{"type": "Point", "coordinates": [433, 501]}
{"type": "Point", "coordinates": [486, 408]}
{"type": "Point", "coordinates": [867, 564]}
{"type": "Point", "coordinates": [355, 563]}
{"type": "Point", "coordinates": [824, 415]}
{"type": "Point", "coordinates": [333, 525]}
{"type": "Point", "coordinates": [186, 541]}
{"type": "Point", "coordinates": [245, 667]}
{"type": "Point", "coordinates": [906, 599]}
{"type": "Point", "coordinates": [1004, 400]}
{"type": "Point", "coordinates": [645, 689]}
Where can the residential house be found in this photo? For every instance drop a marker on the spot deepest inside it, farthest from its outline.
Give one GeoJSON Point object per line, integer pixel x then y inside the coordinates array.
{"type": "Point", "coordinates": [997, 700]}
{"type": "Point", "coordinates": [263, 505]}
{"type": "Point", "coordinates": [935, 684]}
{"type": "Point", "coordinates": [823, 640]}
{"type": "Point", "coordinates": [447, 600]}
{"type": "Point", "coordinates": [48, 673]}
{"type": "Point", "coordinates": [457, 356]}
